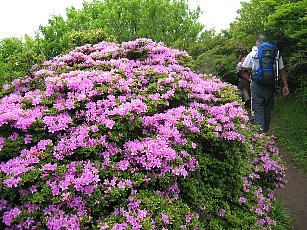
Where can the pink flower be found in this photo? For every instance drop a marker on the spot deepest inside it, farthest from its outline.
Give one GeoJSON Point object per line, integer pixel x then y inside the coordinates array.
{"type": "Point", "coordinates": [12, 182]}
{"type": "Point", "coordinates": [165, 219]}
{"type": "Point", "coordinates": [187, 218]}
{"type": "Point", "coordinates": [222, 212]}
{"type": "Point", "coordinates": [8, 216]}
{"type": "Point", "coordinates": [242, 200]}
{"type": "Point", "coordinates": [259, 211]}
{"type": "Point", "coordinates": [94, 128]}
{"type": "Point", "coordinates": [123, 165]}
{"type": "Point", "coordinates": [51, 167]}
{"type": "Point", "coordinates": [121, 184]}
{"type": "Point", "coordinates": [109, 123]}
{"type": "Point", "coordinates": [3, 204]}
{"type": "Point", "coordinates": [261, 222]}
{"type": "Point", "coordinates": [28, 138]}
{"type": "Point", "coordinates": [6, 86]}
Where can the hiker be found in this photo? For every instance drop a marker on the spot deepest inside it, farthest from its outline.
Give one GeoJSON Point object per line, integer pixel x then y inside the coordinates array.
{"type": "Point", "coordinates": [266, 64]}
{"type": "Point", "coordinates": [244, 80]}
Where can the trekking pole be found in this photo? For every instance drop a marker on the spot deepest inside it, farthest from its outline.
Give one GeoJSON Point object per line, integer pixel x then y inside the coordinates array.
{"type": "Point", "coordinates": [251, 106]}
{"type": "Point", "coordinates": [277, 70]}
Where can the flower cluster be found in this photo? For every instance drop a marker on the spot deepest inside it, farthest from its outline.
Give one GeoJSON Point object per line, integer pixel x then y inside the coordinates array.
{"type": "Point", "coordinates": [122, 136]}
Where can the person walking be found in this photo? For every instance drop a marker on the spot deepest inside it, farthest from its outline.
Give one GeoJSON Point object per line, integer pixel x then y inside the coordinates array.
{"type": "Point", "coordinates": [263, 92]}
{"type": "Point", "coordinates": [244, 80]}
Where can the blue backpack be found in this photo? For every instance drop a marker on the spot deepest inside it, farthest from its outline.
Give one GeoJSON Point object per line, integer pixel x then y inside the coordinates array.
{"type": "Point", "coordinates": [266, 73]}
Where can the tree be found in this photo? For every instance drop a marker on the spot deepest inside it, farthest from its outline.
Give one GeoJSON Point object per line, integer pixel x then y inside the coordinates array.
{"type": "Point", "coordinates": [8, 47]}
{"type": "Point", "coordinates": [17, 57]}
{"type": "Point", "coordinates": [215, 54]}
{"type": "Point", "coordinates": [291, 20]}
{"type": "Point", "coordinates": [161, 20]}
{"type": "Point", "coordinates": [52, 36]}
{"type": "Point", "coordinates": [252, 20]}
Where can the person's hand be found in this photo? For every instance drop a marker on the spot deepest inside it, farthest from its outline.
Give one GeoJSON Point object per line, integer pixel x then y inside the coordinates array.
{"type": "Point", "coordinates": [285, 91]}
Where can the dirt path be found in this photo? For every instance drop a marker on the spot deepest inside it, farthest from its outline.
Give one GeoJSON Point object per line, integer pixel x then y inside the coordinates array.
{"type": "Point", "coordinates": [294, 194]}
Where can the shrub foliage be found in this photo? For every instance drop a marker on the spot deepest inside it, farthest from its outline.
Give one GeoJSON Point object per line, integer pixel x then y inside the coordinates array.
{"type": "Point", "coordinates": [124, 136]}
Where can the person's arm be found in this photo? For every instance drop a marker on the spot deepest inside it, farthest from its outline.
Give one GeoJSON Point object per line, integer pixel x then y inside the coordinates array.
{"type": "Point", "coordinates": [283, 76]}
{"type": "Point", "coordinates": [247, 64]}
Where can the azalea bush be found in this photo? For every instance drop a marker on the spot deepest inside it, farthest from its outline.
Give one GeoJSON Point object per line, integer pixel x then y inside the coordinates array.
{"type": "Point", "coordinates": [124, 136]}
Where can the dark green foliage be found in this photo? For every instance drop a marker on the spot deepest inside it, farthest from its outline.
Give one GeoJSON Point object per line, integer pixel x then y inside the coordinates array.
{"type": "Point", "coordinates": [17, 57]}
{"type": "Point", "coordinates": [216, 55]}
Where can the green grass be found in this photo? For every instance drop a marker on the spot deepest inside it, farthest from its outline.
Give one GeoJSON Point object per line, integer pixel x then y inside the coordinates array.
{"type": "Point", "coordinates": [289, 125]}
{"type": "Point", "coordinates": [284, 219]}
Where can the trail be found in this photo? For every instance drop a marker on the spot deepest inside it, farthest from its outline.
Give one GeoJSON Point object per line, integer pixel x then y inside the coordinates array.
{"type": "Point", "coordinates": [294, 194]}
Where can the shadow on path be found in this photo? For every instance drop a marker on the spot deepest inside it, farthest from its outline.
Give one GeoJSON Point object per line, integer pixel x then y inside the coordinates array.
{"type": "Point", "coordinates": [294, 194]}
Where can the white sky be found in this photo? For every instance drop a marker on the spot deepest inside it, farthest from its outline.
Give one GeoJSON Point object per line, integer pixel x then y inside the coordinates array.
{"type": "Point", "coordinates": [20, 17]}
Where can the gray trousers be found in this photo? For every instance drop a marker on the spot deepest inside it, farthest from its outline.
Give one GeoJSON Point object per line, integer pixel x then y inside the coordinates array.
{"type": "Point", "coordinates": [244, 87]}
{"type": "Point", "coordinates": [262, 103]}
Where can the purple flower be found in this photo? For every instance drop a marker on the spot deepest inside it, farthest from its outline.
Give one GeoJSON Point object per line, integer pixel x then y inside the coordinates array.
{"type": "Point", "coordinates": [242, 200]}
{"type": "Point", "coordinates": [187, 218]}
{"type": "Point", "coordinates": [94, 128]}
{"type": "Point", "coordinates": [259, 211]}
{"type": "Point", "coordinates": [123, 165]}
{"type": "Point", "coordinates": [6, 86]}
{"type": "Point", "coordinates": [9, 215]}
{"type": "Point", "coordinates": [28, 138]}
{"type": "Point", "coordinates": [3, 204]}
{"type": "Point", "coordinates": [51, 167]}
{"type": "Point", "coordinates": [196, 215]}
{"type": "Point", "coordinates": [222, 212]}
{"type": "Point", "coordinates": [165, 219]}
{"type": "Point", "coordinates": [33, 189]}
{"type": "Point", "coordinates": [261, 222]}
{"type": "Point", "coordinates": [12, 182]}
{"type": "Point", "coordinates": [121, 184]}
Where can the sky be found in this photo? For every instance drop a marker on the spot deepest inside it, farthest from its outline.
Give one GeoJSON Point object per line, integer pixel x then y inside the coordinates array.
{"type": "Point", "coordinates": [20, 17]}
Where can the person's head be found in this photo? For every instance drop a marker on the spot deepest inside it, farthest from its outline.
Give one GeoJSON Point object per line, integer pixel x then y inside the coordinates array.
{"type": "Point", "coordinates": [243, 53]}
{"type": "Point", "coordinates": [260, 39]}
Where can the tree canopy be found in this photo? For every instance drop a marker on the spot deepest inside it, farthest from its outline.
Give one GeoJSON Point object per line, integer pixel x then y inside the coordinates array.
{"type": "Point", "coordinates": [161, 20]}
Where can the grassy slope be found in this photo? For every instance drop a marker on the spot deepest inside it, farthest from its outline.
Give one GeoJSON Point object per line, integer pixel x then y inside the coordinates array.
{"type": "Point", "coordinates": [282, 216]}
{"type": "Point", "coordinates": [289, 125]}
